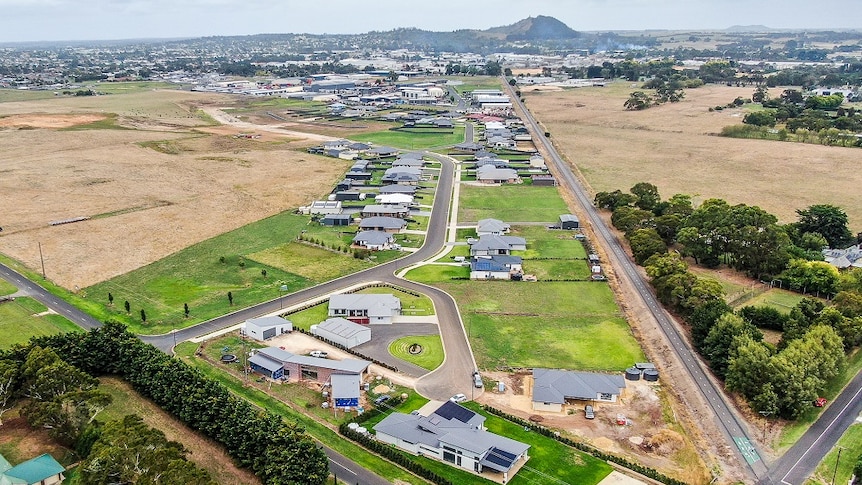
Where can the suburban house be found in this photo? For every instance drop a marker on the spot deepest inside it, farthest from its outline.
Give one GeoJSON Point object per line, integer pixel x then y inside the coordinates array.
{"type": "Point", "coordinates": [493, 245]}
{"type": "Point", "coordinates": [342, 332]}
{"type": "Point", "coordinates": [337, 220]}
{"type": "Point", "coordinates": [394, 199]}
{"type": "Point", "coordinates": [844, 258]}
{"type": "Point", "coordinates": [544, 180]}
{"type": "Point", "coordinates": [488, 174]}
{"type": "Point", "coordinates": [495, 267]}
{"type": "Point", "coordinates": [492, 226]}
{"type": "Point", "coordinates": [377, 210]}
{"type": "Point", "coordinates": [365, 308]}
{"type": "Point", "coordinates": [359, 175]}
{"type": "Point", "coordinates": [373, 240]}
{"type": "Point", "coordinates": [398, 189]}
{"type": "Point", "coordinates": [322, 207]}
{"type": "Point", "coordinates": [493, 161]}
{"type": "Point", "coordinates": [42, 470]}
{"type": "Point", "coordinates": [569, 221]}
{"type": "Point", "coordinates": [502, 142]}
{"type": "Point", "coordinates": [343, 195]}
{"type": "Point", "coordinates": [264, 328]}
{"type": "Point", "coordinates": [468, 146]}
{"type": "Point", "coordinates": [456, 435]}
{"type": "Point", "coordinates": [385, 224]}
{"type": "Point", "coordinates": [401, 178]}
{"type": "Point", "coordinates": [552, 388]}
{"type": "Point", "coordinates": [382, 152]}
{"type": "Point", "coordinates": [536, 161]}
{"type": "Point", "coordinates": [274, 363]}
{"type": "Point", "coordinates": [341, 144]}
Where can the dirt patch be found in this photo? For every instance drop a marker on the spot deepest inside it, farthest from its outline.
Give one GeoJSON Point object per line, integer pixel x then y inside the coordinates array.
{"type": "Point", "coordinates": [26, 442]}
{"type": "Point", "coordinates": [148, 193]}
{"type": "Point", "coordinates": [37, 120]}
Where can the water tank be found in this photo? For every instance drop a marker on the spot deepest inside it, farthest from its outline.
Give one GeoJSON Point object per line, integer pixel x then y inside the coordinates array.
{"type": "Point", "coordinates": [633, 374]}
{"type": "Point", "coordinates": [501, 386]}
{"type": "Point", "coordinates": [352, 426]}
{"type": "Point", "coordinates": [651, 375]}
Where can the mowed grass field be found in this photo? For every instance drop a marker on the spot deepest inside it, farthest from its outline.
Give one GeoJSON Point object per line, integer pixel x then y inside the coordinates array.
{"type": "Point", "coordinates": [19, 323]}
{"type": "Point", "coordinates": [431, 355]}
{"type": "Point", "coordinates": [851, 448]}
{"type": "Point", "coordinates": [674, 147]}
{"type": "Point", "coordinates": [510, 203]}
{"type": "Point", "coordinates": [414, 139]}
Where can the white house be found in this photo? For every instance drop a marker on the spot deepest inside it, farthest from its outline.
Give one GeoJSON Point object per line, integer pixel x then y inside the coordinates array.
{"type": "Point", "coordinates": [323, 207]}
{"type": "Point", "coordinates": [455, 435]}
{"type": "Point", "coordinates": [342, 332]}
{"type": "Point", "coordinates": [365, 308]}
{"type": "Point", "coordinates": [394, 199]}
{"type": "Point", "coordinates": [264, 328]}
{"type": "Point", "coordinates": [552, 388]}
{"type": "Point", "coordinates": [492, 226]}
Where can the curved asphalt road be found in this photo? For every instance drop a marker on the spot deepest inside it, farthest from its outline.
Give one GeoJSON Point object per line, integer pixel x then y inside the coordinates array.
{"type": "Point", "coordinates": [732, 426]}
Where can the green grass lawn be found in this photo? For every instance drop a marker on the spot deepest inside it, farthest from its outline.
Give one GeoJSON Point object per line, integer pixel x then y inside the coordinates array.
{"type": "Point", "coordinates": [412, 140]}
{"type": "Point", "coordinates": [410, 304]}
{"type": "Point", "coordinates": [431, 355]}
{"type": "Point", "coordinates": [318, 430]}
{"type": "Point", "coordinates": [310, 316]}
{"type": "Point", "coordinates": [557, 269]}
{"type": "Point", "coordinates": [203, 274]}
{"type": "Point", "coordinates": [129, 87]}
{"type": "Point", "coordinates": [546, 243]}
{"type": "Point", "coordinates": [511, 203]}
{"type": "Point", "coordinates": [14, 95]}
{"type": "Point", "coordinates": [509, 326]}
{"type": "Point", "coordinates": [6, 288]}
{"type": "Point", "coordinates": [781, 300]}
{"type": "Point", "coordinates": [436, 273]}
{"type": "Point", "coordinates": [477, 82]}
{"type": "Point", "coordinates": [851, 448]}
{"type": "Point", "coordinates": [550, 461]}
{"type": "Point", "coordinates": [18, 323]}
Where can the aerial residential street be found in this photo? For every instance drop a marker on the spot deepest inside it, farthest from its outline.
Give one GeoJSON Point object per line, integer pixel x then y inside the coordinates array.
{"type": "Point", "coordinates": [733, 427]}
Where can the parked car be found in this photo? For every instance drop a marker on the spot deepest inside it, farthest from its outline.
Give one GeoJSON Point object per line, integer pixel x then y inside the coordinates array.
{"type": "Point", "coordinates": [477, 380]}
{"type": "Point", "coordinates": [820, 402]}
{"type": "Point", "coordinates": [589, 413]}
{"type": "Point", "coordinates": [319, 353]}
{"type": "Point", "coordinates": [381, 399]}
{"type": "Point", "coordinates": [458, 398]}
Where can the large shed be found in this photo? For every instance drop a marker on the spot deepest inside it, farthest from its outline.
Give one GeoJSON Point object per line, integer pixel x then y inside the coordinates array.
{"type": "Point", "coordinates": [342, 332]}
{"type": "Point", "coordinates": [569, 221]}
{"type": "Point", "coordinates": [264, 328]}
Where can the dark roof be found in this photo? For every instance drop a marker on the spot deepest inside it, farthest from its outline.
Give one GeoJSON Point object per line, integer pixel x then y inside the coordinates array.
{"type": "Point", "coordinates": [383, 221]}
{"type": "Point", "coordinates": [451, 410]}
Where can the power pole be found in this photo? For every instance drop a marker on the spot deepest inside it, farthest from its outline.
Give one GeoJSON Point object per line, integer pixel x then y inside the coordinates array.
{"type": "Point", "coordinates": [42, 259]}
{"type": "Point", "coordinates": [835, 473]}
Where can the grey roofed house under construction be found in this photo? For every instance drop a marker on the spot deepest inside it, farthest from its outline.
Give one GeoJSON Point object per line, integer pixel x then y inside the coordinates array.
{"type": "Point", "coordinates": [491, 226]}
{"type": "Point", "coordinates": [556, 386]}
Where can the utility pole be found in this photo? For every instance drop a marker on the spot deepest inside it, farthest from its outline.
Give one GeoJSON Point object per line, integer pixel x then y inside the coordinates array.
{"type": "Point", "coordinates": [835, 473]}
{"type": "Point", "coordinates": [42, 259]}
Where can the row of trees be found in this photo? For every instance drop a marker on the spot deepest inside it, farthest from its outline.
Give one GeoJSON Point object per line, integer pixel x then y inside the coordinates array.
{"type": "Point", "coordinates": [789, 375]}
{"type": "Point", "coordinates": [668, 89]}
{"type": "Point", "coordinates": [276, 451]}
{"type": "Point", "coordinates": [66, 401]}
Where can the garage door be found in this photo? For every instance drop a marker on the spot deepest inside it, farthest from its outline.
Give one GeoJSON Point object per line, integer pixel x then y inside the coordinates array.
{"type": "Point", "coordinates": [269, 333]}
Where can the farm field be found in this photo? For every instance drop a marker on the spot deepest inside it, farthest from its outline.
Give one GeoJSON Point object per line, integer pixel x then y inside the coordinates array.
{"type": "Point", "coordinates": [413, 139]}
{"type": "Point", "coordinates": [150, 169]}
{"type": "Point", "coordinates": [673, 146]}
{"type": "Point", "coordinates": [19, 323]}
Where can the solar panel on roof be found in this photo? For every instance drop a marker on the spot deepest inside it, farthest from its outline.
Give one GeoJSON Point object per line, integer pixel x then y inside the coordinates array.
{"type": "Point", "coordinates": [500, 458]}
{"type": "Point", "coordinates": [450, 410]}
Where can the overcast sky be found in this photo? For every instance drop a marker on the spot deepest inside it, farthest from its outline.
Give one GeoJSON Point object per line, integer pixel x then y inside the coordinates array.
{"type": "Point", "coordinates": [35, 20]}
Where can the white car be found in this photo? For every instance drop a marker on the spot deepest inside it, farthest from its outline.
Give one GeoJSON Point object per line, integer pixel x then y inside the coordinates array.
{"type": "Point", "coordinates": [458, 398]}
{"type": "Point", "coordinates": [318, 353]}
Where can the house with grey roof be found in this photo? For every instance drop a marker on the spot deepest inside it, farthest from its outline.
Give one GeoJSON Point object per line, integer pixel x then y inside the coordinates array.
{"type": "Point", "coordinates": [322, 207]}
{"type": "Point", "coordinates": [553, 388]}
{"type": "Point", "coordinates": [378, 210]}
{"type": "Point", "coordinates": [365, 308]}
{"type": "Point", "coordinates": [492, 226]}
{"type": "Point", "coordinates": [495, 267]}
{"type": "Point", "coordinates": [844, 258]}
{"type": "Point", "coordinates": [493, 245]}
{"type": "Point", "coordinates": [342, 332]}
{"type": "Point", "coordinates": [488, 174]}
{"type": "Point", "coordinates": [457, 436]}
{"type": "Point", "coordinates": [373, 240]}
{"type": "Point", "coordinates": [398, 189]}
{"type": "Point", "coordinates": [401, 178]}
{"type": "Point", "coordinates": [384, 224]}
{"type": "Point", "coordinates": [278, 364]}
{"type": "Point", "coordinates": [382, 152]}
{"type": "Point", "coordinates": [264, 328]}
{"type": "Point", "coordinates": [408, 162]}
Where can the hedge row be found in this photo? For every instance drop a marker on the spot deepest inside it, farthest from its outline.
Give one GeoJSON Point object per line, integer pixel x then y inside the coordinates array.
{"type": "Point", "coordinates": [637, 467]}
{"type": "Point", "coordinates": [393, 455]}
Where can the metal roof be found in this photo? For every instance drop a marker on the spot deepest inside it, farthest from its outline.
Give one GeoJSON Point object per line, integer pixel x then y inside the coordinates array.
{"type": "Point", "coordinates": [377, 304]}
{"type": "Point", "coordinates": [383, 221]}
{"type": "Point", "coordinates": [555, 386]}
{"type": "Point", "coordinates": [35, 470]}
{"type": "Point", "coordinates": [342, 327]}
{"type": "Point", "coordinates": [267, 322]}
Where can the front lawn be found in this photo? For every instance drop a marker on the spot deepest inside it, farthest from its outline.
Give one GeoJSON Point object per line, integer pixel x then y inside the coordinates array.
{"type": "Point", "coordinates": [546, 243]}
{"type": "Point", "coordinates": [435, 273]}
{"type": "Point", "coordinates": [557, 269]}
{"type": "Point", "coordinates": [428, 350]}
